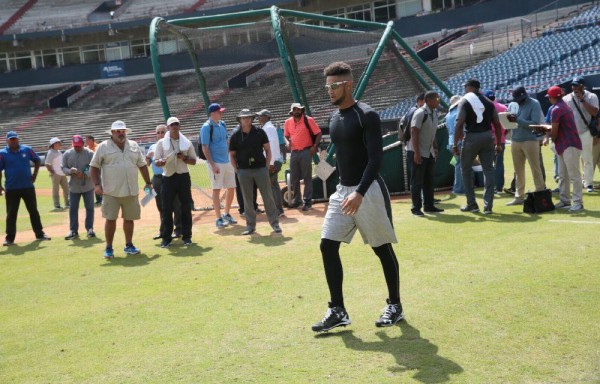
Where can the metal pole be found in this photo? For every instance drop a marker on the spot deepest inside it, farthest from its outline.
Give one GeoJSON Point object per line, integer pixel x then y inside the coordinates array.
{"type": "Point", "coordinates": [156, 66]}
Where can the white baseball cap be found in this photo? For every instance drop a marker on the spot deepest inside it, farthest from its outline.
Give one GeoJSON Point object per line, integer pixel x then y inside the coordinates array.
{"type": "Point", "coordinates": [172, 120]}
{"type": "Point", "coordinates": [53, 141]}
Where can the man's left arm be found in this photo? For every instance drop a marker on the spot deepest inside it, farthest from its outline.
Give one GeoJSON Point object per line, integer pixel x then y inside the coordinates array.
{"type": "Point", "coordinates": [314, 128]}
{"type": "Point", "coordinates": [374, 144]}
{"type": "Point", "coordinates": [141, 163]}
{"type": "Point", "coordinates": [590, 104]}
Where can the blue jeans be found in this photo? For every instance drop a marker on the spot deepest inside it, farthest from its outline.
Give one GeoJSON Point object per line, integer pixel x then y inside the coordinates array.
{"type": "Point", "coordinates": [88, 203]}
{"type": "Point", "coordinates": [499, 170]}
{"type": "Point", "coordinates": [458, 186]}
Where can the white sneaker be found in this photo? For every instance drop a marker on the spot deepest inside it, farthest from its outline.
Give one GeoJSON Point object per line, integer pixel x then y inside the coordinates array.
{"type": "Point", "coordinates": [562, 204]}
{"type": "Point", "coordinates": [515, 202]}
{"type": "Point", "coordinates": [576, 208]}
{"type": "Point", "coordinates": [590, 188]}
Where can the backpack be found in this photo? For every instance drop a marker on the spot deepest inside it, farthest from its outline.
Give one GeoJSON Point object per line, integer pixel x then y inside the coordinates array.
{"type": "Point", "coordinates": [200, 151]}
{"type": "Point", "coordinates": [404, 131]}
{"type": "Point", "coordinates": [312, 135]}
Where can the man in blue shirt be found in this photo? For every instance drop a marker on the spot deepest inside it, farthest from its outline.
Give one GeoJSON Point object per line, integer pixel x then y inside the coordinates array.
{"type": "Point", "coordinates": [213, 136]}
{"type": "Point", "coordinates": [14, 161]}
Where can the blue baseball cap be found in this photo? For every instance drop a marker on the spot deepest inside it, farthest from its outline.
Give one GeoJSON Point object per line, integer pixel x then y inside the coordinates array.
{"type": "Point", "coordinates": [489, 93]}
{"type": "Point", "coordinates": [11, 135]}
{"type": "Point", "coordinates": [215, 107]}
{"type": "Point", "coordinates": [578, 80]}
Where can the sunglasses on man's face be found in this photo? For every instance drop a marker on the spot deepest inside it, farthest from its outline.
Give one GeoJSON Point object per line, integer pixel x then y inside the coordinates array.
{"type": "Point", "coordinates": [334, 86]}
{"type": "Point", "coordinates": [174, 124]}
{"type": "Point", "coordinates": [161, 132]}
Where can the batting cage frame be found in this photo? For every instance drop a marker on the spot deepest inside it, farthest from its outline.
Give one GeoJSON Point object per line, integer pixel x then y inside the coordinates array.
{"type": "Point", "coordinates": [385, 40]}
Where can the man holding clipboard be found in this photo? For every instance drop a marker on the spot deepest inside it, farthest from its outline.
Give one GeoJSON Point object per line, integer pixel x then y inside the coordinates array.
{"type": "Point", "coordinates": [568, 149]}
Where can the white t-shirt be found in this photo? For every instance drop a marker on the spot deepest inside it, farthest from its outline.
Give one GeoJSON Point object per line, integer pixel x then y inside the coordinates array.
{"type": "Point", "coordinates": [54, 159]}
{"type": "Point", "coordinates": [271, 132]}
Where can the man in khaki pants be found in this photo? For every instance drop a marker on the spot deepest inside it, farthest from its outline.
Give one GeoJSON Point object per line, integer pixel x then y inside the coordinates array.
{"type": "Point", "coordinates": [53, 163]}
{"type": "Point", "coordinates": [526, 143]}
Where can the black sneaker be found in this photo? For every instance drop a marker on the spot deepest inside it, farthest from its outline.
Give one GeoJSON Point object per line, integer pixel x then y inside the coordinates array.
{"type": "Point", "coordinates": [306, 207]}
{"type": "Point", "coordinates": [473, 208]}
{"type": "Point", "coordinates": [187, 242]}
{"type": "Point", "coordinates": [295, 205]}
{"type": "Point", "coordinates": [165, 244]}
{"type": "Point", "coordinates": [392, 313]}
{"type": "Point", "coordinates": [417, 212]}
{"type": "Point", "coordinates": [8, 243]}
{"type": "Point", "coordinates": [43, 237]}
{"type": "Point", "coordinates": [433, 210]}
{"type": "Point", "coordinates": [72, 235]}
{"type": "Point", "coordinates": [334, 317]}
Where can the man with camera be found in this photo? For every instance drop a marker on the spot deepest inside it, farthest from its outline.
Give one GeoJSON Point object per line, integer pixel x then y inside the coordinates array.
{"type": "Point", "coordinates": [174, 153]}
{"type": "Point", "coordinates": [584, 105]}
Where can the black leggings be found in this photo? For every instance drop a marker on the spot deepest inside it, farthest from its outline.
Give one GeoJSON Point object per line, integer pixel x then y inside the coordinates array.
{"type": "Point", "coordinates": [334, 272]}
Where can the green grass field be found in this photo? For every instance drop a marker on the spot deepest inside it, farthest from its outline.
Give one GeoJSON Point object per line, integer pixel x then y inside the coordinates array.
{"type": "Point", "coordinates": [506, 298]}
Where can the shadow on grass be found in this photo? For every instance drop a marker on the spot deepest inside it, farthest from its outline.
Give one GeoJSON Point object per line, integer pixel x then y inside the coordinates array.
{"type": "Point", "coordinates": [18, 250]}
{"type": "Point", "coordinates": [411, 352]}
{"type": "Point", "coordinates": [138, 260]}
{"type": "Point", "coordinates": [193, 250]}
{"type": "Point", "coordinates": [85, 242]}
{"type": "Point", "coordinates": [263, 235]}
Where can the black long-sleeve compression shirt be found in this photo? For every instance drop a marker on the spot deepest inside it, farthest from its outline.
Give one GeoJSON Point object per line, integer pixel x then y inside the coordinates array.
{"type": "Point", "coordinates": [356, 133]}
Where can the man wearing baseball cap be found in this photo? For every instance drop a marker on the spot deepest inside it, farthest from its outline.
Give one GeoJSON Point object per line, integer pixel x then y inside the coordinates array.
{"type": "Point", "coordinates": [15, 162]}
{"type": "Point", "coordinates": [214, 145]}
{"type": "Point", "coordinates": [300, 129]}
{"type": "Point", "coordinates": [567, 143]}
{"type": "Point", "coordinates": [114, 170]}
{"type": "Point", "coordinates": [53, 163]}
{"type": "Point", "coordinates": [76, 163]}
{"type": "Point", "coordinates": [584, 105]}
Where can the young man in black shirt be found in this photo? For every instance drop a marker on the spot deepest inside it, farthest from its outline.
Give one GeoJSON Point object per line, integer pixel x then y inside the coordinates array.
{"type": "Point", "coordinates": [361, 200]}
{"type": "Point", "coordinates": [247, 149]}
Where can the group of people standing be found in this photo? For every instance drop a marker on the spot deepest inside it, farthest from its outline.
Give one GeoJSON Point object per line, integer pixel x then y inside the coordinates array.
{"type": "Point", "coordinates": [475, 133]}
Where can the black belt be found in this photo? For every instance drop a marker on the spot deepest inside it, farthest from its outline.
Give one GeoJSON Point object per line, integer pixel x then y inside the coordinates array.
{"type": "Point", "coordinates": [301, 150]}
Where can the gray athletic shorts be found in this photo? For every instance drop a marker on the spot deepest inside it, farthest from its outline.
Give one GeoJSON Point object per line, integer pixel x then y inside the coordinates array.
{"type": "Point", "coordinates": [373, 219]}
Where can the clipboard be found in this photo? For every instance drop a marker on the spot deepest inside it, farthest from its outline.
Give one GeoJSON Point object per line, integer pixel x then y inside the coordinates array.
{"type": "Point", "coordinates": [503, 116]}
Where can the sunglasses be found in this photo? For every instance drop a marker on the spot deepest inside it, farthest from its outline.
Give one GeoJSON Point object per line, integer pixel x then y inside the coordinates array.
{"type": "Point", "coordinates": [336, 85]}
{"type": "Point", "coordinates": [175, 124]}
{"type": "Point", "coordinates": [161, 132]}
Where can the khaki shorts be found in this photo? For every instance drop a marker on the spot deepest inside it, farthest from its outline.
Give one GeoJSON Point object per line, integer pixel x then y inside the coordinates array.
{"type": "Point", "coordinates": [224, 179]}
{"type": "Point", "coordinates": [129, 206]}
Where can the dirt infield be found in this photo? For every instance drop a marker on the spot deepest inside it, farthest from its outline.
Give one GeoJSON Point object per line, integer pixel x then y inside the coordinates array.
{"type": "Point", "coordinates": [150, 218]}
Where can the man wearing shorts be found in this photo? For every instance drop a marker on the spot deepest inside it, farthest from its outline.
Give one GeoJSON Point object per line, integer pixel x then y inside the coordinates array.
{"type": "Point", "coordinates": [213, 136]}
{"type": "Point", "coordinates": [114, 170]}
{"type": "Point", "coordinates": [361, 200]}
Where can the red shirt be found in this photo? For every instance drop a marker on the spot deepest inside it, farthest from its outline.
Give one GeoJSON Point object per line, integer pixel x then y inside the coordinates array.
{"type": "Point", "coordinates": [499, 108]}
{"type": "Point", "coordinates": [297, 132]}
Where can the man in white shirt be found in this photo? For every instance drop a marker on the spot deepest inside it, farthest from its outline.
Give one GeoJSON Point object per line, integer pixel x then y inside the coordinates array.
{"type": "Point", "coordinates": [114, 171]}
{"type": "Point", "coordinates": [584, 105]}
{"type": "Point", "coordinates": [174, 153]}
{"type": "Point", "coordinates": [264, 118]}
{"type": "Point", "coordinates": [53, 163]}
